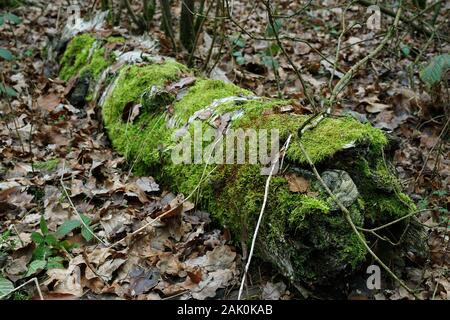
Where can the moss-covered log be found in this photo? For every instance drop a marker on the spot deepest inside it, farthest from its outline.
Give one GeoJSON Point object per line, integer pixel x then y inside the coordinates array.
{"type": "Point", "coordinates": [149, 103]}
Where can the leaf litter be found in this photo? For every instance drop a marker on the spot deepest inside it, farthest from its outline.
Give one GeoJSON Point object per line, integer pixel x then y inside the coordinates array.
{"type": "Point", "coordinates": [183, 256]}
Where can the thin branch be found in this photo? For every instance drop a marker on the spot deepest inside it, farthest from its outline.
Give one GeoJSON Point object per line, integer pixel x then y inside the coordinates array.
{"type": "Point", "coordinates": [75, 209]}
{"type": "Point", "coordinates": [36, 282]}
{"type": "Point", "coordinates": [263, 207]}
{"type": "Point", "coordinates": [135, 19]}
{"type": "Point", "coordinates": [297, 71]}
{"type": "Point", "coordinates": [395, 221]}
{"type": "Point", "coordinates": [343, 82]}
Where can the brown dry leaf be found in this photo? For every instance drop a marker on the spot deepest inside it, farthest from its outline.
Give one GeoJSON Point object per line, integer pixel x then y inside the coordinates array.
{"type": "Point", "coordinates": [301, 48]}
{"type": "Point", "coordinates": [215, 280]}
{"type": "Point", "coordinates": [49, 102]}
{"type": "Point", "coordinates": [65, 281]}
{"type": "Point", "coordinates": [142, 280]}
{"type": "Point", "coordinates": [147, 184]}
{"type": "Point", "coordinates": [273, 291]}
{"type": "Point", "coordinates": [220, 258]}
{"type": "Point", "coordinates": [195, 275]}
{"type": "Point", "coordinates": [107, 269]}
{"type": "Point", "coordinates": [16, 268]}
{"type": "Point", "coordinates": [373, 105]}
{"type": "Point", "coordinates": [115, 222]}
{"type": "Point", "coordinates": [297, 183]}
{"type": "Point", "coordinates": [169, 264]}
{"type": "Point", "coordinates": [183, 82]}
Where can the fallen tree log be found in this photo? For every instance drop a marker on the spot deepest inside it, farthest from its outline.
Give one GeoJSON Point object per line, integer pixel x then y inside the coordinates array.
{"type": "Point", "coordinates": [179, 127]}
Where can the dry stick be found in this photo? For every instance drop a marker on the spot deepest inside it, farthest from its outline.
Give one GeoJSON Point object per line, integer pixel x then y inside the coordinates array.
{"type": "Point", "coordinates": [36, 282]}
{"type": "Point", "coordinates": [297, 72]}
{"type": "Point", "coordinates": [349, 74]}
{"type": "Point", "coordinates": [213, 41]}
{"type": "Point", "coordinates": [263, 207]}
{"type": "Point", "coordinates": [338, 49]}
{"type": "Point", "coordinates": [75, 209]}
{"type": "Point", "coordinates": [349, 220]}
{"type": "Point", "coordinates": [393, 222]}
{"type": "Point", "coordinates": [132, 15]}
{"type": "Point", "coordinates": [432, 149]}
{"type": "Point", "coordinates": [198, 32]}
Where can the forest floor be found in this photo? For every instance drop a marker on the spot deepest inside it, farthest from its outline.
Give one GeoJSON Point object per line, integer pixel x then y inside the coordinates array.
{"type": "Point", "coordinates": [57, 162]}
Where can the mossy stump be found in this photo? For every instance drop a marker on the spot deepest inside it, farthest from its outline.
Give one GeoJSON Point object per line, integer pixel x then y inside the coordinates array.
{"type": "Point", "coordinates": [150, 105]}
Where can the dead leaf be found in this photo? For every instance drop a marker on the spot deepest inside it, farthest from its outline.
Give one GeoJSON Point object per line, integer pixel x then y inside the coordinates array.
{"type": "Point", "coordinates": [147, 184]}
{"type": "Point", "coordinates": [297, 183]}
{"type": "Point", "coordinates": [273, 291]}
{"type": "Point", "coordinates": [49, 102]}
{"type": "Point", "coordinates": [142, 280]}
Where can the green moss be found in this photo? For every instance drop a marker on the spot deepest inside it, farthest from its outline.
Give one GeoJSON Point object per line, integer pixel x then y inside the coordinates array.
{"type": "Point", "coordinates": [137, 140]}
{"type": "Point", "coordinates": [48, 165]}
{"type": "Point", "coordinates": [97, 64]}
{"type": "Point", "coordinates": [115, 39]}
{"type": "Point", "coordinates": [325, 141]}
{"type": "Point", "coordinates": [203, 94]}
{"type": "Point", "coordinates": [76, 55]}
{"type": "Point", "coordinates": [307, 205]}
{"type": "Point", "coordinates": [382, 208]}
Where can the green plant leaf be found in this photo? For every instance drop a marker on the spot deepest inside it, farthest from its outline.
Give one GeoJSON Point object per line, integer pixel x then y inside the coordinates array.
{"type": "Point", "coordinates": [36, 266]}
{"type": "Point", "coordinates": [405, 50]}
{"type": "Point", "coordinates": [87, 233]}
{"type": "Point", "coordinates": [55, 263]}
{"type": "Point", "coordinates": [37, 238]}
{"type": "Point", "coordinates": [42, 252]}
{"type": "Point", "coordinates": [11, 17]}
{"type": "Point", "coordinates": [239, 42]}
{"type": "Point", "coordinates": [272, 31]}
{"type": "Point", "coordinates": [85, 219]}
{"type": "Point", "coordinates": [67, 227]}
{"type": "Point", "coordinates": [270, 62]}
{"type": "Point", "coordinates": [51, 240]}
{"type": "Point", "coordinates": [240, 60]}
{"type": "Point", "coordinates": [6, 286]}
{"type": "Point", "coordinates": [43, 226]}
{"type": "Point", "coordinates": [273, 49]}
{"type": "Point", "coordinates": [67, 245]}
{"type": "Point", "coordinates": [433, 72]}
{"type": "Point", "coordinates": [6, 54]}
{"type": "Point", "coordinates": [7, 90]}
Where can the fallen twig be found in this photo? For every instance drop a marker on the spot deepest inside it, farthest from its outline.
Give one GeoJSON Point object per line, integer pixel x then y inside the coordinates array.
{"type": "Point", "coordinates": [36, 282]}
{"type": "Point", "coordinates": [350, 73]}
{"type": "Point", "coordinates": [75, 209]}
{"type": "Point", "coordinates": [263, 207]}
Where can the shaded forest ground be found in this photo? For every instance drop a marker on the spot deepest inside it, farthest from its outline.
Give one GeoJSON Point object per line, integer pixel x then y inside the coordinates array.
{"type": "Point", "coordinates": [63, 151]}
